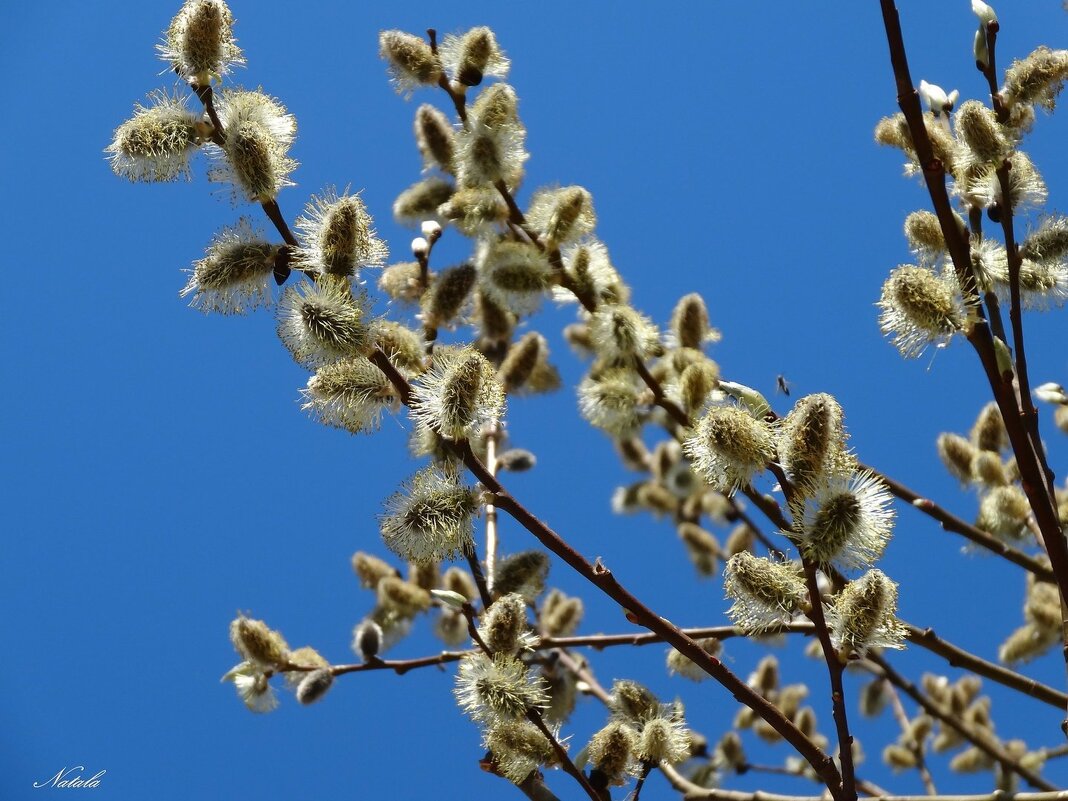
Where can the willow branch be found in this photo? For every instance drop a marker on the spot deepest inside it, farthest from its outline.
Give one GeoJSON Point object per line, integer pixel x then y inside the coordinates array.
{"type": "Point", "coordinates": [398, 666]}
{"type": "Point", "coordinates": [958, 657]}
{"type": "Point", "coordinates": [693, 792]}
{"type": "Point", "coordinates": [599, 641]}
{"type": "Point", "coordinates": [1033, 472]}
{"type": "Point", "coordinates": [956, 525]}
{"type": "Point", "coordinates": [980, 740]}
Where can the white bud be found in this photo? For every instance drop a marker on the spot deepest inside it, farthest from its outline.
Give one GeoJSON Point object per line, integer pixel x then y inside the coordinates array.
{"type": "Point", "coordinates": [936, 98]}
{"type": "Point", "coordinates": [449, 598]}
{"type": "Point", "coordinates": [1052, 393]}
{"type": "Point", "coordinates": [979, 48]}
{"type": "Point", "coordinates": [431, 230]}
{"type": "Point", "coordinates": [754, 402]}
{"type": "Point", "coordinates": [1004, 358]}
{"type": "Point", "coordinates": [420, 247]}
{"type": "Point", "coordinates": [984, 12]}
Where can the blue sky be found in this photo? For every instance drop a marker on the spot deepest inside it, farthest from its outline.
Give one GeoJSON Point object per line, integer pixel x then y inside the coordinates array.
{"type": "Point", "coordinates": [159, 475]}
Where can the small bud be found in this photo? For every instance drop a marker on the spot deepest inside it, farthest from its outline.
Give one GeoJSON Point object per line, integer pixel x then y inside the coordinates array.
{"type": "Point", "coordinates": [235, 274]}
{"type": "Point", "coordinates": [258, 643]}
{"type": "Point", "coordinates": [523, 357]}
{"type": "Point", "coordinates": [370, 569]}
{"type": "Point", "coordinates": [765, 593]}
{"type": "Point", "coordinates": [1004, 512]}
{"type": "Point", "coordinates": [752, 400]}
{"type": "Point", "coordinates": [1060, 419]}
{"type": "Point", "coordinates": [689, 323]}
{"type": "Point", "coordinates": [401, 281]}
{"type": "Point", "coordinates": [522, 573]}
{"type": "Point", "coordinates": [696, 384]}
{"type": "Point", "coordinates": [741, 538]}
{"type": "Point", "coordinates": [459, 581]}
{"type": "Point", "coordinates": [323, 322]}
{"type": "Point", "coordinates": [863, 616]}
{"type": "Point", "coordinates": [157, 143]}
{"type": "Point", "coordinates": [367, 640]}
{"type": "Point", "coordinates": [431, 230]}
{"type": "Point", "coordinates": [1026, 643]}
{"type": "Point", "coordinates": [936, 98]}
{"type": "Point", "coordinates": [984, 12]}
{"type": "Point", "coordinates": [680, 664]}
{"type": "Point", "coordinates": [978, 127]}
{"type": "Point", "coordinates": [919, 308]}
{"type": "Point", "coordinates": [433, 136]}
{"type": "Point", "coordinates": [411, 61]}
{"type": "Point", "coordinates": [988, 470]}
{"type": "Point", "coordinates": [702, 548]}
{"type": "Point", "coordinates": [899, 758]}
{"type": "Point", "coordinates": [989, 432]}
{"type": "Point", "coordinates": [254, 155]}
{"type": "Point", "coordinates": [496, 107]}
{"type": "Point", "coordinates": [449, 598]}
{"type": "Point", "coordinates": [611, 750]}
{"type": "Point", "coordinates": [560, 614]}
{"type": "Point", "coordinates": [314, 685]}
{"type": "Point", "coordinates": [634, 702]}
{"type": "Point", "coordinates": [812, 441]}
{"type": "Point", "coordinates": [561, 215]}
{"type": "Point", "coordinates": [420, 247]}
{"type": "Point", "coordinates": [199, 43]}
{"type": "Point", "coordinates": [516, 460]}
{"type": "Point", "coordinates": [402, 345]}
{"type": "Point", "coordinates": [451, 628]}
{"type": "Point", "coordinates": [459, 396]}
{"type": "Point", "coordinates": [765, 678]}
{"type": "Point", "coordinates": [504, 624]}
{"type": "Point", "coordinates": [980, 48]}
{"type": "Point", "coordinates": [729, 447]}
{"type": "Point", "coordinates": [252, 687]}
{"type": "Point", "coordinates": [422, 200]}
{"type": "Point", "coordinates": [448, 294]}
{"type": "Point", "coordinates": [971, 760]}
{"type": "Point", "coordinates": [1051, 392]}
{"type": "Point", "coordinates": [472, 56]}
{"type": "Point", "coordinates": [957, 454]}
{"type": "Point", "coordinates": [430, 519]}
{"type": "Point", "coordinates": [873, 698]}
{"type": "Point", "coordinates": [1038, 78]}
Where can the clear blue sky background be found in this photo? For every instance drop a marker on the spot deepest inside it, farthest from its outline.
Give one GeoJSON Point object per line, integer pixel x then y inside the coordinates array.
{"type": "Point", "coordinates": [158, 474]}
